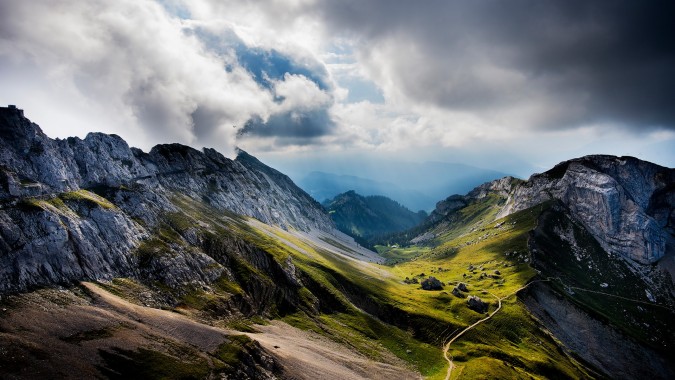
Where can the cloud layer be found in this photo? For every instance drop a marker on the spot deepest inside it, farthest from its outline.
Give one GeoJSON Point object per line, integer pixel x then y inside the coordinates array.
{"type": "Point", "coordinates": [387, 75]}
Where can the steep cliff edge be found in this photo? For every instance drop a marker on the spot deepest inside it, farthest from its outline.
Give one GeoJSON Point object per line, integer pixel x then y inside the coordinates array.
{"type": "Point", "coordinates": [624, 202]}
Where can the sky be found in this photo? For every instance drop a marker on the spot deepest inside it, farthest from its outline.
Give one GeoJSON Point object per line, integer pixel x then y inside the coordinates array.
{"type": "Point", "coordinates": [516, 86]}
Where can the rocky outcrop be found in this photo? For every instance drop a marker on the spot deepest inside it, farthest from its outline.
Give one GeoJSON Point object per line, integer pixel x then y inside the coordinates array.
{"type": "Point", "coordinates": [627, 204]}
{"type": "Point", "coordinates": [56, 228]}
{"type": "Point", "coordinates": [624, 202]}
{"type": "Point", "coordinates": [501, 187]}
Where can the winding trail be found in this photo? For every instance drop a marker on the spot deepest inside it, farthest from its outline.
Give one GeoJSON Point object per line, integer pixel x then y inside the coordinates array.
{"type": "Point", "coordinates": [446, 348]}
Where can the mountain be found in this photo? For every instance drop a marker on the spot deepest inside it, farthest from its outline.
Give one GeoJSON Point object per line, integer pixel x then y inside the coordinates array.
{"type": "Point", "coordinates": [325, 186]}
{"type": "Point", "coordinates": [415, 185]}
{"type": "Point", "coordinates": [93, 200]}
{"type": "Point", "coordinates": [365, 217]}
{"type": "Point", "coordinates": [601, 234]}
{"type": "Point", "coordinates": [178, 263]}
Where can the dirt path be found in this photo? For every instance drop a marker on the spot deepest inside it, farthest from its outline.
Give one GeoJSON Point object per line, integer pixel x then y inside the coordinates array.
{"type": "Point", "coordinates": [446, 348]}
{"type": "Point", "coordinates": [173, 324]}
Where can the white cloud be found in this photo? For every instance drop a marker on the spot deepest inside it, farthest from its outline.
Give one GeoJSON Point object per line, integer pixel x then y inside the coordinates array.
{"type": "Point", "coordinates": [133, 60]}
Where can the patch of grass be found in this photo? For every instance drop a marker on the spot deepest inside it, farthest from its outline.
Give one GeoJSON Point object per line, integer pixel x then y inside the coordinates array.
{"type": "Point", "coordinates": [231, 352]}
{"type": "Point", "coordinates": [150, 364]}
{"type": "Point", "coordinates": [150, 249]}
{"type": "Point", "coordinates": [31, 205]}
{"type": "Point", "coordinates": [88, 197]}
{"type": "Point", "coordinates": [88, 335]}
{"type": "Point", "coordinates": [396, 254]}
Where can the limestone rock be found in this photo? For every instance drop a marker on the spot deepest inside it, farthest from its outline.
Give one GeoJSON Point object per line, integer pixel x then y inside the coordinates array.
{"type": "Point", "coordinates": [622, 201]}
{"type": "Point", "coordinates": [56, 228]}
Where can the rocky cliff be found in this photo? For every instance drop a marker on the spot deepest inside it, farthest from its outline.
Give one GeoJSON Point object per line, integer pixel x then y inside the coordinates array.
{"type": "Point", "coordinates": [628, 205]}
{"type": "Point", "coordinates": [76, 209]}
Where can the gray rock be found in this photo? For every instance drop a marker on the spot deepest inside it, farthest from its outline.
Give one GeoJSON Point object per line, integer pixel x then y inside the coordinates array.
{"type": "Point", "coordinates": [462, 286]}
{"type": "Point", "coordinates": [476, 304]}
{"type": "Point", "coordinates": [622, 201]}
{"type": "Point", "coordinates": [53, 231]}
{"type": "Point", "coordinates": [432, 283]}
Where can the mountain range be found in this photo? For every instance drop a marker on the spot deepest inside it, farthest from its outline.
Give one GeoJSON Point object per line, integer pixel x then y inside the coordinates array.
{"type": "Point", "coordinates": [179, 263]}
{"type": "Point", "coordinates": [417, 186]}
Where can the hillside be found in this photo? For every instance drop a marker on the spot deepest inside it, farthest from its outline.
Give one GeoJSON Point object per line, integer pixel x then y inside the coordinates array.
{"type": "Point", "coordinates": [366, 217]}
{"type": "Point", "coordinates": [589, 291]}
{"type": "Point", "coordinates": [325, 186]}
{"type": "Point", "coordinates": [179, 263]}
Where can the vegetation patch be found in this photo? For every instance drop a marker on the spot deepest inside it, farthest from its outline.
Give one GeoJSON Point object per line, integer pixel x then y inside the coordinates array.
{"type": "Point", "coordinates": [87, 197]}
{"type": "Point", "coordinates": [150, 364]}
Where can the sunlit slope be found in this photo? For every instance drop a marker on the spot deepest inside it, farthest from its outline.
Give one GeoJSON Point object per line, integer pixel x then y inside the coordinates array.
{"type": "Point", "coordinates": [492, 258]}
{"type": "Point", "coordinates": [316, 283]}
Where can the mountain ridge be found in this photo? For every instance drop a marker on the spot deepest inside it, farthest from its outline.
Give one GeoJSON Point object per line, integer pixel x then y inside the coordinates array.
{"type": "Point", "coordinates": [58, 228]}
{"type": "Point", "coordinates": [367, 216]}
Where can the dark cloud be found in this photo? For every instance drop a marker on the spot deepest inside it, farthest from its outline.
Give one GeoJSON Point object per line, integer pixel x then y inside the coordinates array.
{"type": "Point", "coordinates": [266, 66]}
{"type": "Point", "coordinates": [294, 125]}
{"type": "Point", "coordinates": [559, 63]}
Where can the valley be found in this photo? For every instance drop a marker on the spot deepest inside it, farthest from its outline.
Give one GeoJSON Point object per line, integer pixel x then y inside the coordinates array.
{"type": "Point", "coordinates": [180, 263]}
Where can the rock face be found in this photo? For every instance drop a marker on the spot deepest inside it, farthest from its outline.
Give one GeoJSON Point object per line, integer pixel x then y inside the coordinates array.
{"type": "Point", "coordinates": [627, 204]}
{"type": "Point", "coordinates": [54, 228]}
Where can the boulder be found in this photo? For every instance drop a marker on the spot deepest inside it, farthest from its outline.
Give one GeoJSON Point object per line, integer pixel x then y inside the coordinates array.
{"type": "Point", "coordinates": [457, 293]}
{"type": "Point", "coordinates": [462, 286]}
{"type": "Point", "coordinates": [432, 283]}
{"type": "Point", "coordinates": [476, 304]}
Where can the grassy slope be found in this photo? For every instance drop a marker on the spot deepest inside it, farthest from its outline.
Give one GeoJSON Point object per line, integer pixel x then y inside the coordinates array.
{"type": "Point", "coordinates": [511, 345]}
{"type": "Point", "coordinates": [413, 323]}
{"type": "Point", "coordinates": [369, 307]}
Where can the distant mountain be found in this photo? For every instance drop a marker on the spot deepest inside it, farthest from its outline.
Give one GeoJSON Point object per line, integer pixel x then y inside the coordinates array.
{"type": "Point", "coordinates": [324, 186]}
{"type": "Point", "coordinates": [417, 186]}
{"type": "Point", "coordinates": [364, 217]}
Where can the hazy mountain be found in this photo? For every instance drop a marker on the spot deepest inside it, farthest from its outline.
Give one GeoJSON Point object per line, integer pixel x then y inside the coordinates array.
{"type": "Point", "coordinates": [365, 217]}
{"type": "Point", "coordinates": [418, 186]}
{"type": "Point", "coordinates": [323, 186]}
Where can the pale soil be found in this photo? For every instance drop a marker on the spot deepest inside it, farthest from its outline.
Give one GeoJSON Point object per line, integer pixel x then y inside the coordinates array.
{"type": "Point", "coordinates": [306, 355]}
{"type": "Point", "coordinates": [34, 331]}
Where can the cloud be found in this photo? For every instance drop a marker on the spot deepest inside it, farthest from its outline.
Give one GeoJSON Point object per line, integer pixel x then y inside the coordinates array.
{"type": "Point", "coordinates": [522, 64]}
{"type": "Point", "coordinates": [300, 117]}
{"type": "Point", "coordinates": [132, 58]}
{"type": "Point", "coordinates": [378, 75]}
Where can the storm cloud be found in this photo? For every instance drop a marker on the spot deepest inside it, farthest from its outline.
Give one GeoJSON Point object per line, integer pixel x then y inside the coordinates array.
{"type": "Point", "coordinates": [281, 76]}
{"type": "Point", "coordinates": [531, 64]}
